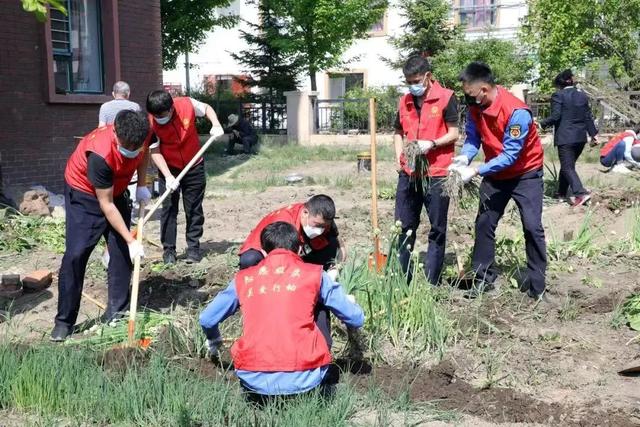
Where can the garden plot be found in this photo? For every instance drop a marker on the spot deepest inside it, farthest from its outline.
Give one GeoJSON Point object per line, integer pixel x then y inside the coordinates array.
{"type": "Point", "coordinates": [425, 356]}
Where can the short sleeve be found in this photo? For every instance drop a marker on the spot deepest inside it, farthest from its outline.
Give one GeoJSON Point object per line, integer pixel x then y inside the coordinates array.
{"type": "Point", "coordinates": [99, 173]}
{"type": "Point", "coordinates": [200, 107]}
{"type": "Point", "coordinates": [450, 113]}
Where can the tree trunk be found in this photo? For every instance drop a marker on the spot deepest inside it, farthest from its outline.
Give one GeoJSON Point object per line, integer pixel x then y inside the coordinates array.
{"type": "Point", "coordinates": [312, 75]}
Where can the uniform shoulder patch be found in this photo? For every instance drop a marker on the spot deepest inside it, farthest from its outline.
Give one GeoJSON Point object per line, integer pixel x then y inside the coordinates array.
{"type": "Point", "coordinates": [515, 131]}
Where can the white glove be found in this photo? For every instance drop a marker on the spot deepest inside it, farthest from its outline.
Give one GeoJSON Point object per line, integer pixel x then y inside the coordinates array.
{"type": "Point", "coordinates": [426, 146]}
{"type": "Point", "coordinates": [142, 194]}
{"type": "Point", "coordinates": [213, 345]}
{"type": "Point", "coordinates": [466, 173]}
{"type": "Point", "coordinates": [351, 299]}
{"type": "Point", "coordinates": [460, 160]}
{"type": "Point", "coordinates": [171, 183]}
{"type": "Point", "coordinates": [135, 250]}
{"type": "Point", "coordinates": [333, 273]}
{"type": "Point", "coordinates": [216, 131]}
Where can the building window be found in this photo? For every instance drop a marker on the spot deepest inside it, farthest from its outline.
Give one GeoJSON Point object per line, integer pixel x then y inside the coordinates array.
{"type": "Point", "coordinates": [341, 83]}
{"type": "Point", "coordinates": [477, 13]}
{"type": "Point", "coordinates": [379, 28]}
{"type": "Point", "coordinates": [76, 41]}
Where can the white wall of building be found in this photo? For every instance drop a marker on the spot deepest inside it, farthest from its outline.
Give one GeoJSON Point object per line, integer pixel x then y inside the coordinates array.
{"type": "Point", "coordinates": [364, 56]}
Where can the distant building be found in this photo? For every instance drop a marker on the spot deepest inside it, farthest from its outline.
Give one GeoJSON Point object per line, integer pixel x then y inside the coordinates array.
{"type": "Point", "coordinates": [55, 75]}
{"type": "Point", "coordinates": [500, 18]}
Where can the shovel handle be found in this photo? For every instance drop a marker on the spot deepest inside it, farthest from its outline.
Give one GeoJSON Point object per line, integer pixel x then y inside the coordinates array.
{"type": "Point", "coordinates": [133, 306]}
{"type": "Point", "coordinates": [181, 175]}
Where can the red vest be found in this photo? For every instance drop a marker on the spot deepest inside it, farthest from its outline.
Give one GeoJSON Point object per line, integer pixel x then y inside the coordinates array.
{"type": "Point", "coordinates": [492, 124]}
{"type": "Point", "coordinates": [101, 141]}
{"type": "Point", "coordinates": [290, 214]}
{"type": "Point", "coordinates": [615, 140]}
{"type": "Point", "coordinates": [179, 140]}
{"type": "Point", "coordinates": [277, 301]}
{"type": "Point", "coordinates": [429, 126]}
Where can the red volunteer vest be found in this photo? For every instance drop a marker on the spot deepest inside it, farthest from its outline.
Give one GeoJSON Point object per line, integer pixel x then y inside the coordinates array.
{"type": "Point", "coordinates": [615, 140]}
{"type": "Point", "coordinates": [492, 124]}
{"type": "Point", "coordinates": [290, 214]}
{"type": "Point", "coordinates": [101, 141]}
{"type": "Point", "coordinates": [179, 140]}
{"type": "Point", "coordinates": [277, 302]}
{"type": "Point", "coordinates": [429, 126]}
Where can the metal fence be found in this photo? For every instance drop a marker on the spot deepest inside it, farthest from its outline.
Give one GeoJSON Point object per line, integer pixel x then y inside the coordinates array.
{"type": "Point", "coordinates": [349, 116]}
{"type": "Point", "coordinates": [265, 117]}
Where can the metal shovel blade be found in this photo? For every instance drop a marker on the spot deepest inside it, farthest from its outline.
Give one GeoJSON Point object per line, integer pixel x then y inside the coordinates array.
{"type": "Point", "coordinates": [630, 372]}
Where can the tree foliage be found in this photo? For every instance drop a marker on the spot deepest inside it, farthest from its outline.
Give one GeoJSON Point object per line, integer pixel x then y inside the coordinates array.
{"type": "Point", "coordinates": [273, 67]}
{"type": "Point", "coordinates": [508, 65]}
{"type": "Point", "coordinates": [185, 24]}
{"type": "Point", "coordinates": [39, 7]}
{"type": "Point", "coordinates": [320, 31]}
{"type": "Point", "coordinates": [585, 33]}
{"type": "Point", "coordinates": [427, 30]}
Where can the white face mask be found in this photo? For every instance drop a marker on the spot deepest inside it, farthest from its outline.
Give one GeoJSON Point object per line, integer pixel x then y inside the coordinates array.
{"type": "Point", "coordinates": [312, 232]}
{"type": "Point", "coordinates": [162, 120]}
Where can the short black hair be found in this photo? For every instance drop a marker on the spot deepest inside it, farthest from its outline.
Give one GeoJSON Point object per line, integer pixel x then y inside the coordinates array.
{"type": "Point", "coordinates": [564, 79]}
{"type": "Point", "coordinates": [321, 205]}
{"type": "Point", "coordinates": [159, 101]}
{"type": "Point", "coordinates": [416, 64]}
{"type": "Point", "coordinates": [477, 72]}
{"type": "Point", "coordinates": [131, 128]}
{"type": "Point", "coordinates": [280, 235]}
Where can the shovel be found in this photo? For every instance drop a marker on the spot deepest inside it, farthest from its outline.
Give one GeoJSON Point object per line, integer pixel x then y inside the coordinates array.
{"type": "Point", "coordinates": [167, 192]}
{"type": "Point", "coordinates": [377, 260]}
{"type": "Point", "coordinates": [133, 308]}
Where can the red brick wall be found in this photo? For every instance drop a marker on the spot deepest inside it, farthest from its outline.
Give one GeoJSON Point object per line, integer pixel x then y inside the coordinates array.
{"type": "Point", "coordinates": [36, 137]}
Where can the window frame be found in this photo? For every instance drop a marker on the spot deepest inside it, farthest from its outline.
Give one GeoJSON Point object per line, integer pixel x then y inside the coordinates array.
{"type": "Point", "coordinates": [493, 8]}
{"type": "Point", "coordinates": [110, 43]}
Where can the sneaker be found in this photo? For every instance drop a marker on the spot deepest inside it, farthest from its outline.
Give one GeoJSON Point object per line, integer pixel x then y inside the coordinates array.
{"type": "Point", "coordinates": [60, 333]}
{"type": "Point", "coordinates": [581, 200]}
{"type": "Point", "coordinates": [169, 257]}
{"type": "Point", "coordinates": [620, 169]}
{"type": "Point", "coordinates": [193, 256]}
{"type": "Point", "coordinates": [478, 289]}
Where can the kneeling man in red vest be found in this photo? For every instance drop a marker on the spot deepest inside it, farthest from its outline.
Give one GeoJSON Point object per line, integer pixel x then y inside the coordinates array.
{"type": "Point", "coordinates": [96, 204]}
{"type": "Point", "coordinates": [281, 351]}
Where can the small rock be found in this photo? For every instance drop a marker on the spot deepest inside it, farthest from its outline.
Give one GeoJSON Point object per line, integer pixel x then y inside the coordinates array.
{"type": "Point", "coordinates": [37, 280]}
{"type": "Point", "coordinates": [35, 202]}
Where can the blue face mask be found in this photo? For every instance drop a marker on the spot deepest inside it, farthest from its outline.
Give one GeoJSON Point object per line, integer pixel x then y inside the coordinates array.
{"type": "Point", "coordinates": [128, 153]}
{"type": "Point", "coordinates": [417, 89]}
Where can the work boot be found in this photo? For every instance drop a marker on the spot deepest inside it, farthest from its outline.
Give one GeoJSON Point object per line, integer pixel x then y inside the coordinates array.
{"type": "Point", "coordinates": [193, 256]}
{"type": "Point", "coordinates": [169, 257]}
{"type": "Point", "coordinates": [60, 332]}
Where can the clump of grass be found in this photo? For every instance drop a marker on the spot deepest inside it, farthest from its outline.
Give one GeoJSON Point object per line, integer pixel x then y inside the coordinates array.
{"type": "Point", "coordinates": [19, 233]}
{"type": "Point", "coordinates": [569, 310]}
{"type": "Point", "coordinates": [631, 311]}
{"type": "Point", "coordinates": [410, 317]}
{"type": "Point", "coordinates": [415, 160]}
{"type": "Point", "coordinates": [459, 193]}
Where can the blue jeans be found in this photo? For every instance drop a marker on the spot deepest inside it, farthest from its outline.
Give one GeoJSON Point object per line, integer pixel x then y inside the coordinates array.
{"type": "Point", "coordinates": [615, 156]}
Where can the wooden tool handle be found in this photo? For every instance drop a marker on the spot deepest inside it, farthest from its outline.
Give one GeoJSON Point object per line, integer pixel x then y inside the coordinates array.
{"type": "Point", "coordinates": [374, 173]}
{"type": "Point", "coordinates": [133, 306]}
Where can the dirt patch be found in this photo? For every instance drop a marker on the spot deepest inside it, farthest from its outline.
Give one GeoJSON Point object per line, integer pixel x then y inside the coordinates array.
{"type": "Point", "coordinates": [122, 359]}
{"type": "Point", "coordinates": [440, 384]}
{"type": "Point", "coordinates": [206, 369]}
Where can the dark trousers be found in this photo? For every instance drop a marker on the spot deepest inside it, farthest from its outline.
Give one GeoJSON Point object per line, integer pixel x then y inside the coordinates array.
{"type": "Point", "coordinates": [527, 192]}
{"type": "Point", "coordinates": [85, 224]}
{"type": "Point", "coordinates": [325, 258]}
{"type": "Point", "coordinates": [192, 187]}
{"type": "Point", "coordinates": [569, 183]}
{"type": "Point", "coordinates": [410, 198]}
{"type": "Point", "coordinates": [247, 142]}
{"type": "Point", "coordinates": [614, 156]}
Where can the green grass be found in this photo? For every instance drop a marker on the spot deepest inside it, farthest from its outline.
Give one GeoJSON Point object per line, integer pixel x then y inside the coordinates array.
{"type": "Point", "coordinates": [79, 385]}
{"type": "Point", "coordinates": [413, 319]}
{"type": "Point", "coordinates": [19, 233]}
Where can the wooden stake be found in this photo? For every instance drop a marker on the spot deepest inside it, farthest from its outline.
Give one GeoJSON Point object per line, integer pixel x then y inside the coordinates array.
{"type": "Point", "coordinates": [133, 308]}
{"type": "Point", "coordinates": [374, 181]}
{"type": "Point", "coordinates": [93, 300]}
